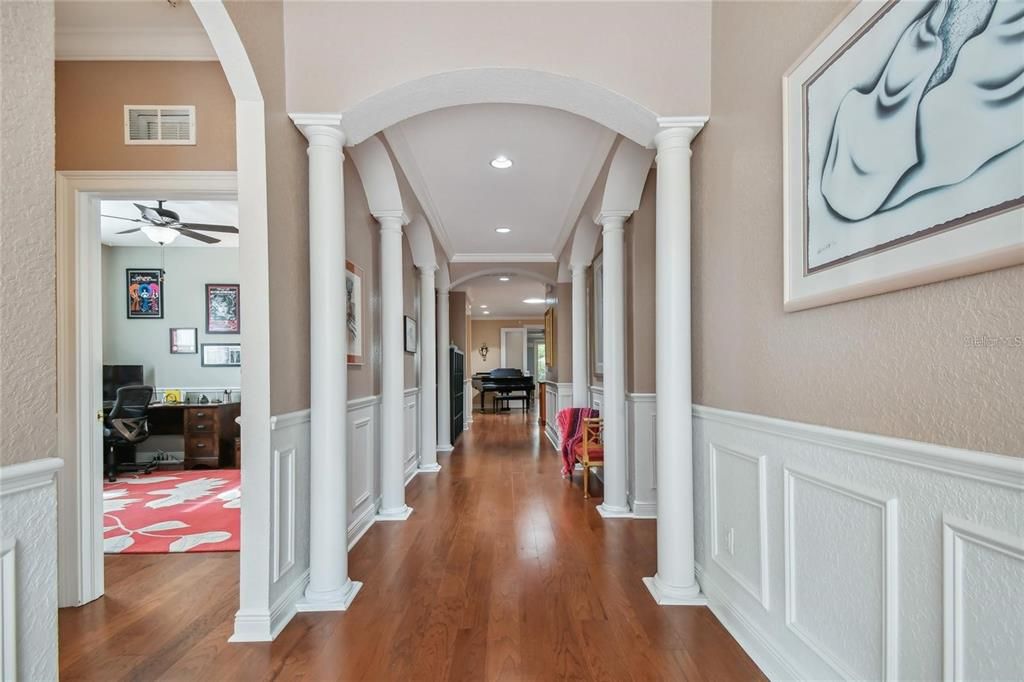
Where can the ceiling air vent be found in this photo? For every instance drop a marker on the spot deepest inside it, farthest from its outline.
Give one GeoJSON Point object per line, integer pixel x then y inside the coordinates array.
{"type": "Point", "coordinates": [159, 124]}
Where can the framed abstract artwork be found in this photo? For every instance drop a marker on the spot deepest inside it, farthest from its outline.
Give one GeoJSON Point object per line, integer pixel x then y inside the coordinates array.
{"type": "Point", "coordinates": [903, 149]}
{"type": "Point", "coordinates": [354, 312]}
{"type": "Point", "coordinates": [223, 309]}
{"type": "Point", "coordinates": [144, 294]}
{"type": "Point", "coordinates": [410, 334]}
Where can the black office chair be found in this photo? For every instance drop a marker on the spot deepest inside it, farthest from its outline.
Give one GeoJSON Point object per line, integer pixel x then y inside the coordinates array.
{"type": "Point", "coordinates": [127, 425]}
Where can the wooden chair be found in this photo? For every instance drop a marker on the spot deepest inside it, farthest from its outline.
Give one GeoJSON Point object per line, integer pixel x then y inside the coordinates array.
{"type": "Point", "coordinates": [589, 452]}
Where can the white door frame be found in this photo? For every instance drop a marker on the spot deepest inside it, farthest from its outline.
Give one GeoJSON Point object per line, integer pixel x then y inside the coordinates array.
{"type": "Point", "coordinates": [504, 355]}
{"type": "Point", "coordinates": [80, 352]}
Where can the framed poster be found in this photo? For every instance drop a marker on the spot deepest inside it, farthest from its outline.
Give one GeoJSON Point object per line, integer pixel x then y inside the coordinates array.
{"type": "Point", "coordinates": [354, 312]}
{"type": "Point", "coordinates": [144, 293]}
{"type": "Point", "coordinates": [410, 334]}
{"type": "Point", "coordinates": [904, 149]}
{"type": "Point", "coordinates": [184, 340]}
{"type": "Point", "coordinates": [221, 355]}
{"type": "Point", "coordinates": [223, 309]}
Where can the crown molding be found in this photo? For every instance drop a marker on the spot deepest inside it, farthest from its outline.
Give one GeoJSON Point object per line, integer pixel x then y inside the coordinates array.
{"type": "Point", "coordinates": [504, 258]}
{"type": "Point", "coordinates": [136, 44]}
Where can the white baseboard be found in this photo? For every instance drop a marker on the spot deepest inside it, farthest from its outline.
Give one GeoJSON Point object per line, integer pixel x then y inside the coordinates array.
{"type": "Point", "coordinates": [645, 510]}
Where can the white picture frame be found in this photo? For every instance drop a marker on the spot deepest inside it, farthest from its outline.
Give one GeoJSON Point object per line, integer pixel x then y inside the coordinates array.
{"type": "Point", "coordinates": [978, 241]}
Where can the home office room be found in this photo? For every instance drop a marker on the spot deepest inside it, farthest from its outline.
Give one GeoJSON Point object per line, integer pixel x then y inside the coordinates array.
{"type": "Point", "coordinates": [171, 376]}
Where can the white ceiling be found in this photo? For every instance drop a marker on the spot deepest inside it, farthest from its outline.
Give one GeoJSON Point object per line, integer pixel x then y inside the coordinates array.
{"type": "Point", "coordinates": [504, 299]}
{"type": "Point", "coordinates": [556, 158]}
{"type": "Point", "coordinates": [141, 29]}
{"type": "Point", "coordinates": [210, 212]}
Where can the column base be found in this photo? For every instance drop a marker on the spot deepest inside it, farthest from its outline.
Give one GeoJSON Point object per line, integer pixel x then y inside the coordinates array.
{"type": "Point", "coordinates": [335, 600]}
{"type": "Point", "coordinates": [610, 512]}
{"type": "Point", "coordinates": [445, 448]}
{"type": "Point", "coordinates": [430, 468]}
{"type": "Point", "coordinates": [666, 595]}
{"type": "Point", "coordinates": [399, 514]}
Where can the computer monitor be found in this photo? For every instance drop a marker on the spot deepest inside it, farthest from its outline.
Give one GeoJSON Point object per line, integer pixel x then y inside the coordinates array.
{"type": "Point", "coordinates": [116, 376]}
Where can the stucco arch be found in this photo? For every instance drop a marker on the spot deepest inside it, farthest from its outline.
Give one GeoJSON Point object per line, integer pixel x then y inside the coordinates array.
{"type": "Point", "coordinates": [504, 86]}
{"type": "Point", "coordinates": [491, 272]}
{"type": "Point", "coordinates": [378, 175]}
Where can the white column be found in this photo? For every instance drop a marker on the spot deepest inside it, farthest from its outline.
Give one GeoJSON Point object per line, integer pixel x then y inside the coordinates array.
{"type": "Point", "coordinates": [580, 366]}
{"type": "Point", "coordinates": [392, 370]}
{"type": "Point", "coordinates": [444, 375]}
{"type": "Point", "coordinates": [330, 588]}
{"type": "Point", "coordinates": [613, 409]}
{"type": "Point", "coordinates": [675, 581]}
{"type": "Point", "coordinates": [428, 373]}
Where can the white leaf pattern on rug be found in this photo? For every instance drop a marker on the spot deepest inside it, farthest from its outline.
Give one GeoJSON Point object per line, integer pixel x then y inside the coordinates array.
{"type": "Point", "coordinates": [184, 492]}
{"type": "Point", "coordinates": [115, 500]}
{"type": "Point", "coordinates": [140, 480]}
{"type": "Point", "coordinates": [233, 498]}
{"type": "Point", "coordinates": [117, 544]}
{"type": "Point", "coordinates": [187, 542]}
{"type": "Point", "coordinates": [163, 525]}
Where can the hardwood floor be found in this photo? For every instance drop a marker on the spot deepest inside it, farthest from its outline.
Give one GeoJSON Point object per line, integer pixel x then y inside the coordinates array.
{"type": "Point", "coordinates": [503, 572]}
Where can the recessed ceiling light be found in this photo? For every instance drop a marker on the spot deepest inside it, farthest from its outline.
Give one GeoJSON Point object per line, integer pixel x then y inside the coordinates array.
{"type": "Point", "coordinates": [503, 230]}
{"type": "Point", "coordinates": [483, 305]}
{"type": "Point", "coordinates": [501, 162]}
{"type": "Point", "coordinates": [534, 301]}
{"type": "Point", "coordinates": [487, 312]}
{"type": "Point", "coordinates": [504, 278]}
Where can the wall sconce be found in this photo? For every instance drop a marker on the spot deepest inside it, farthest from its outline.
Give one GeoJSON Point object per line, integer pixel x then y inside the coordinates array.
{"type": "Point", "coordinates": [484, 350]}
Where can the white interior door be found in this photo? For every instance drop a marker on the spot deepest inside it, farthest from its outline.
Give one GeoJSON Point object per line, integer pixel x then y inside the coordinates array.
{"type": "Point", "coordinates": [513, 347]}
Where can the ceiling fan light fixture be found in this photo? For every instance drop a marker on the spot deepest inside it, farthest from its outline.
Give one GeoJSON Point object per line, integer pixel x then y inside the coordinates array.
{"type": "Point", "coordinates": [501, 162]}
{"type": "Point", "coordinates": [160, 235]}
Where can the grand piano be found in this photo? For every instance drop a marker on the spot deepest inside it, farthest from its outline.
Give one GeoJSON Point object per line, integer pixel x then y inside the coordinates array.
{"type": "Point", "coordinates": [503, 381]}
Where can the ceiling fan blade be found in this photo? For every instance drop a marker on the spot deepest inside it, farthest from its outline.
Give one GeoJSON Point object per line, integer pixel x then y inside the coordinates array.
{"type": "Point", "coordinates": [211, 228]}
{"type": "Point", "coordinates": [117, 217]}
{"type": "Point", "coordinates": [134, 229]}
{"type": "Point", "coordinates": [197, 236]}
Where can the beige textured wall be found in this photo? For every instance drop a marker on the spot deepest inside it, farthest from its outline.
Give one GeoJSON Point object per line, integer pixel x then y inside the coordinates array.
{"type": "Point", "coordinates": [653, 52]}
{"type": "Point", "coordinates": [90, 115]}
{"type": "Point", "coordinates": [28, 372]}
{"type": "Point", "coordinates": [260, 27]}
{"type": "Point", "coordinates": [640, 301]}
{"type": "Point", "coordinates": [362, 247]}
{"type": "Point", "coordinates": [895, 364]}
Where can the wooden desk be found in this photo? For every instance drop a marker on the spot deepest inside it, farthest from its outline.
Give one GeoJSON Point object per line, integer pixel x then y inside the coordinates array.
{"type": "Point", "coordinates": [209, 430]}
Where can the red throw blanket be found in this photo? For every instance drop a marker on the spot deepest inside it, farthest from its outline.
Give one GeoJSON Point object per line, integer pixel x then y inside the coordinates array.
{"type": "Point", "coordinates": [570, 423]}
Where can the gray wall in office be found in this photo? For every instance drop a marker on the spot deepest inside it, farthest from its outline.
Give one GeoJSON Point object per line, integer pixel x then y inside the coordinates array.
{"type": "Point", "coordinates": [147, 342]}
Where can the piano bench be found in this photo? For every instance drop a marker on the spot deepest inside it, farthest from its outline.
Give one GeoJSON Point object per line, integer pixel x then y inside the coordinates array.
{"type": "Point", "coordinates": [509, 397]}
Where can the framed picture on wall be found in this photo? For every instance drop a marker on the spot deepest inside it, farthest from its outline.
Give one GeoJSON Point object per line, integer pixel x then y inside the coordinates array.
{"type": "Point", "coordinates": [222, 355]}
{"type": "Point", "coordinates": [410, 334]}
{"type": "Point", "coordinates": [903, 150]}
{"type": "Point", "coordinates": [598, 316]}
{"type": "Point", "coordinates": [354, 312]}
{"type": "Point", "coordinates": [549, 337]}
{"type": "Point", "coordinates": [184, 340]}
{"type": "Point", "coordinates": [223, 309]}
{"type": "Point", "coordinates": [144, 291]}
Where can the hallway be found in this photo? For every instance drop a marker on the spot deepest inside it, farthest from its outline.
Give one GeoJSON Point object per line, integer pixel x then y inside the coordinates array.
{"type": "Point", "coordinates": [503, 571]}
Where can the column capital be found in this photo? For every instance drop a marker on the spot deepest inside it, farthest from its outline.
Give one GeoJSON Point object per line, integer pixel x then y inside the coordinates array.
{"type": "Point", "coordinates": [428, 269]}
{"type": "Point", "coordinates": [320, 129]}
{"type": "Point", "coordinates": [613, 221]}
{"type": "Point", "coordinates": [391, 220]}
{"type": "Point", "coordinates": [677, 131]}
{"type": "Point", "coordinates": [578, 268]}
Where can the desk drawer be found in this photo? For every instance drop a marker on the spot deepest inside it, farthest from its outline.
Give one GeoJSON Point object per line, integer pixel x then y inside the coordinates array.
{"type": "Point", "coordinates": [200, 448]}
{"type": "Point", "coordinates": [201, 421]}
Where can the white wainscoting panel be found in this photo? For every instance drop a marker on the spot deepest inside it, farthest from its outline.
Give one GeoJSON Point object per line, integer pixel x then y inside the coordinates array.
{"type": "Point", "coordinates": [467, 404]}
{"type": "Point", "coordinates": [363, 464]}
{"type": "Point", "coordinates": [411, 422]}
{"type": "Point", "coordinates": [557, 397]}
{"type": "Point", "coordinates": [283, 516]}
{"type": "Point", "coordinates": [596, 397]}
{"type": "Point", "coordinates": [983, 584]}
{"type": "Point", "coordinates": [28, 570]}
{"type": "Point", "coordinates": [289, 513]}
{"type": "Point", "coordinates": [640, 452]}
{"type": "Point", "coordinates": [856, 555]}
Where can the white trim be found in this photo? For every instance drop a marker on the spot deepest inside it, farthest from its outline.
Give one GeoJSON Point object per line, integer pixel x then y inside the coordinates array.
{"type": "Point", "coordinates": [290, 419]}
{"type": "Point", "coordinates": [981, 466]}
{"type": "Point", "coordinates": [282, 548]}
{"type": "Point", "coordinates": [9, 612]}
{"type": "Point", "coordinates": [504, 258]}
{"type": "Point", "coordinates": [134, 44]}
{"type": "Point", "coordinates": [36, 473]}
{"type": "Point", "coordinates": [160, 108]}
{"type": "Point", "coordinates": [888, 508]}
{"type": "Point", "coordinates": [954, 533]}
{"type": "Point", "coordinates": [415, 390]}
{"type": "Point", "coordinates": [365, 401]}
{"type": "Point", "coordinates": [640, 397]}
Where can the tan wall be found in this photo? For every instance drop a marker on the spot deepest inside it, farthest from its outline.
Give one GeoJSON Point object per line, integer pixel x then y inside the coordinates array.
{"type": "Point", "coordinates": [362, 247]}
{"type": "Point", "coordinates": [260, 27]}
{"type": "Point", "coordinates": [490, 331]}
{"type": "Point", "coordinates": [561, 367]}
{"type": "Point", "coordinates": [459, 322]}
{"type": "Point", "coordinates": [90, 115]}
{"type": "Point", "coordinates": [894, 364]}
{"type": "Point", "coordinates": [640, 301]}
{"type": "Point", "coordinates": [410, 298]}
{"type": "Point", "coordinates": [28, 373]}
{"type": "Point", "coordinates": [659, 58]}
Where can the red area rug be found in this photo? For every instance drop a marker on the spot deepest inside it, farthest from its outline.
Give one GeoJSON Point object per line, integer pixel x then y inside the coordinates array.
{"type": "Point", "coordinates": [173, 511]}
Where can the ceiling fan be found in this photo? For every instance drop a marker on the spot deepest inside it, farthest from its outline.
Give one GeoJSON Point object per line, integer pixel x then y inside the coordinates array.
{"type": "Point", "coordinates": [163, 225]}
